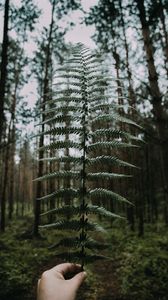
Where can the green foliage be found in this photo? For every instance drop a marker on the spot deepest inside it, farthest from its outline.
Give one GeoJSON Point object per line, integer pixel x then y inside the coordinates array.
{"type": "Point", "coordinates": [83, 118]}
{"type": "Point", "coordinates": [143, 269]}
{"type": "Point", "coordinates": [142, 264]}
{"type": "Point", "coordinates": [145, 275]}
{"type": "Point", "coordinates": [21, 261]}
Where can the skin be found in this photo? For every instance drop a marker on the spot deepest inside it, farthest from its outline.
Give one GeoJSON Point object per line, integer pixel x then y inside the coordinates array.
{"type": "Point", "coordinates": [54, 286]}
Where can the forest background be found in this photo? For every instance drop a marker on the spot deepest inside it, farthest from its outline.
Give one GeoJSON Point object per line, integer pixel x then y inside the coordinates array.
{"type": "Point", "coordinates": [132, 37]}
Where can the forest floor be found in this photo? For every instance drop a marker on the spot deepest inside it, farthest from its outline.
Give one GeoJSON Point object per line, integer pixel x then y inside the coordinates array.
{"type": "Point", "coordinates": [138, 268]}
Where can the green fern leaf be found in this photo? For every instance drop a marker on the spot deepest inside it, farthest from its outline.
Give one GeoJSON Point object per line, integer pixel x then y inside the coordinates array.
{"type": "Point", "coordinates": [60, 174]}
{"type": "Point", "coordinates": [67, 210]}
{"type": "Point", "coordinates": [66, 192]}
{"type": "Point", "coordinates": [68, 69]}
{"type": "Point", "coordinates": [114, 116]}
{"type": "Point", "coordinates": [105, 175]}
{"type": "Point", "coordinates": [106, 194]}
{"type": "Point", "coordinates": [106, 145]}
{"type": "Point", "coordinates": [85, 99]}
{"type": "Point", "coordinates": [106, 160]}
{"type": "Point", "coordinates": [98, 210]}
{"type": "Point", "coordinates": [61, 145]}
{"type": "Point", "coordinates": [76, 242]}
{"type": "Point", "coordinates": [70, 76]}
{"type": "Point", "coordinates": [61, 131]}
{"type": "Point", "coordinates": [63, 109]}
{"type": "Point", "coordinates": [112, 133]}
{"type": "Point", "coordinates": [75, 225]}
{"type": "Point", "coordinates": [78, 257]}
{"type": "Point", "coordinates": [64, 159]}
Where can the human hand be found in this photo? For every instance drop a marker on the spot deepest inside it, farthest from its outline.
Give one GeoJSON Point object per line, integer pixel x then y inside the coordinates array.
{"type": "Point", "coordinates": [53, 286]}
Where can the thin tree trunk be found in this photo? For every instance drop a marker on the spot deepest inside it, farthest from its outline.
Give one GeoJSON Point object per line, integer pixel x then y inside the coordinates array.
{"type": "Point", "coordinates": [3, 68]}
{"type": "Point", "coordinates": [132, 96]}
{"type": "Point", "coordinates": [39, 189]}
{"type": "Point", "coordinates": [165, 34]}
{"type": "Point", "coordinates": [5, 181]}
{"type": "Point", "coordinates": [12, 174]}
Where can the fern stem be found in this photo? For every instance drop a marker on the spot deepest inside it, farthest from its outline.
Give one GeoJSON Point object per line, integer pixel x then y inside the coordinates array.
{"type": "Point", "coordinates": [83, 181]}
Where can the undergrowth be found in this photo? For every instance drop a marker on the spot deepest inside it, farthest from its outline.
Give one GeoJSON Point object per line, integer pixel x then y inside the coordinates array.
{"type": "Point", "coordinates": [141, 264]}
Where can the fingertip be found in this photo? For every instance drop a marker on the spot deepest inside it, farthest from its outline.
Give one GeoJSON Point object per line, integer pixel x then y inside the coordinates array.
{"type": "Point", "coordinates": [79, 278]}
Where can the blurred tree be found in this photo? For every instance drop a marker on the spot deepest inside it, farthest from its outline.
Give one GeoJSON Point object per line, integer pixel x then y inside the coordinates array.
{"type": "Point", "coordinates": [21, 20]}
{"type": "Point", "coordinates": [15, 109]}
{"type": "Point", "coordinates": [3, 68]}
{"type": "Point", "coordinates": [161, 119]}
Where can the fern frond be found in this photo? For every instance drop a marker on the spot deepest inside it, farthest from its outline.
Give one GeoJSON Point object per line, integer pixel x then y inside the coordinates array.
{"type": "Point", "coordinates": [63, 98]}
{"type": "Point", "coordinates": [69, 91]}
{"type": "Point", "coordinates": [60, 174]}
{"type": "Point", "coordinates": [66, 192]}
{"type": "Point", "coordinates": [76, 242]}
{"type": "Point", "coordinates": [104, 106]}
{"type": "Point", "coordinates": [70, 210]}
{"type": "Point", "coordinates": [108, 97]}
{"type": "Point", "coordinates": [71, 84]}
{"type": "Point", "coordinates": [79, 256]}
{"type": "Point", "coordinates": [93, 61]}
{"type": "Point", "coordinates": [106, 194]}
{"type": "Point", "coordinates": [97, 90]}
{"type": "Point", "coordinates": [61, 145]}
{"type": "Point", "coordinates": [60, 119]}
{"type": "Point", "coordinates": [112, 144]}
{"type": "Point", "coordinates": [75, 225]}
{"type": "Point", "coordinates": [63, 109]}
{"type": "Point", "coordinates": [63, 159]}
{"type": "Point", "coordinates": [105, 175]}
{"type": "Point", "coordinates": [106, 160]}
{"type": "Point", "coordinates": [67, 210]}
{"type": "Point", "coordinates": [98, 210]}
{"type": "Point", "coordinates": [69, 70]}
{"type": "Point", "coordinates": [114, 116]}
{"type": "Point", "coordinates": [74, 60]}
{"type": "Point", "coordinates": [70, 76]}
{"type": "Point", "coordinates": [61, 131]}
{"type": "Point", "coordinates": [72, 242]}
{"type": "Point", "coordinates": [85, 100]}
{"type": "Point", "coordinates": [112, 133]}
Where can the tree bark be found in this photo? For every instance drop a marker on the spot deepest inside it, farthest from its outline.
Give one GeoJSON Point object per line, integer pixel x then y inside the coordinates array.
{"type": "Point", "coordinates": [39, 190]}
{"type": "Point", "coordinates": [3, 68]}
{"type": "Point", "coordinates": [4, 187]}
{"type": "Point", "coordinates": [132, 96]}
{"type": "Point", "coordinates": [158, 110]}
{"type": "Point", "coordinates": [165, 34]}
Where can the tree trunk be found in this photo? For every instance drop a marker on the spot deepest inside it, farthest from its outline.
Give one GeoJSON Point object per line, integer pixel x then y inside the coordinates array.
{"type": "Point", "coordinates": [165, 34]}
{"type": "Point", "coordinates": [4, 187]}
{"type": "Point", "coordinates": [39, 190]}
{"type": "Point", "coordinates": [158, 110]}
{"type": "Point", "coordinates": [3, 68]}
{"type": "Point", "coordinates": [12, 174]}
{"type": "Point", "coordinates": [132, 96]}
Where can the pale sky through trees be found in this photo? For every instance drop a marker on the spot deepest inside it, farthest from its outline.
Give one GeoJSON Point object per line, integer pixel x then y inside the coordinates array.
{"type": "Point", "coordinates": [79, 33]}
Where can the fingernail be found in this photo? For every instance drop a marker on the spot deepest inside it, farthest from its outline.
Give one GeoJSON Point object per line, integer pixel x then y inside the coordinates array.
{"type": "Point", "coordinates": [85, 274]}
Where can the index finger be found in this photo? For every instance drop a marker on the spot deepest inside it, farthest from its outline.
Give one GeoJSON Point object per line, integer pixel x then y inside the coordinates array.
{"type": "Point", "coordinates": [66, 268]}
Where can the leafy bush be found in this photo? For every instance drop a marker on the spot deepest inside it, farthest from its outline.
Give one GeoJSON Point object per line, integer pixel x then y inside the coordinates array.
{"type": "Point", "coordinates": [144, 271]}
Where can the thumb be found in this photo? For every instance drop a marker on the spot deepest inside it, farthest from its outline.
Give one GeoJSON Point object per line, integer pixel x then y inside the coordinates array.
{"type": "Point", "coordinates": [78, 279]}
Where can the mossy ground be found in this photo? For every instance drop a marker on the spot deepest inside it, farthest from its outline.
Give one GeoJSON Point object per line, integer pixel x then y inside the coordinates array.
{"type": "Point", "coordinates": [138, 268]}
